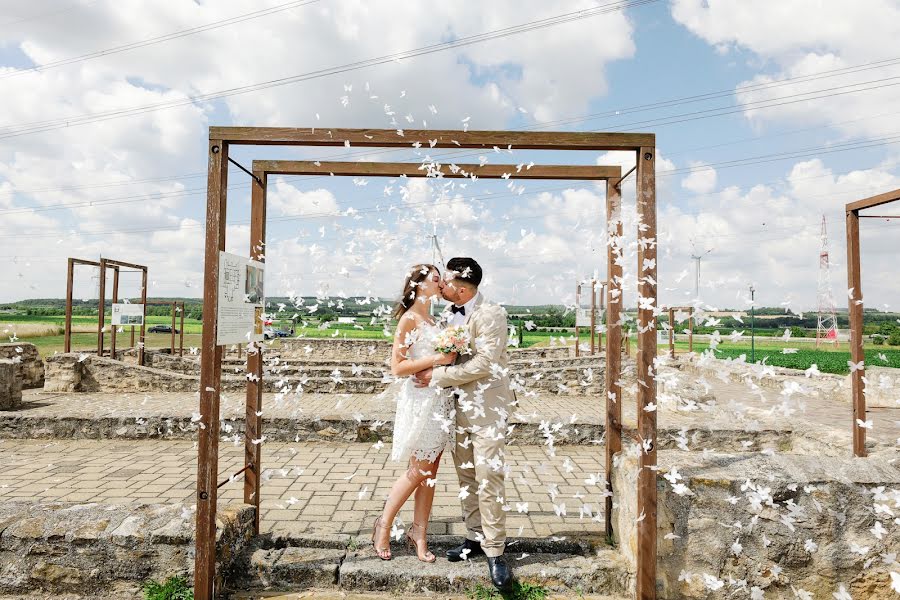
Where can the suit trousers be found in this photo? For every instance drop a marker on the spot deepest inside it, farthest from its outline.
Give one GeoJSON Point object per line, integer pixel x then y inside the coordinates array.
{"type": "Point", "coordinates": [479, 456]}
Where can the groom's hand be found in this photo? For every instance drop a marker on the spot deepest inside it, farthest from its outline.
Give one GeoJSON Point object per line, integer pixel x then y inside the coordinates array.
{"type": "Point", "coordinates": [423, 378]}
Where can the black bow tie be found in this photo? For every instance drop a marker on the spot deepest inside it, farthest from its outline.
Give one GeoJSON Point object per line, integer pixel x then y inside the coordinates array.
{"type": "Point", "coordinates": [458, 309]}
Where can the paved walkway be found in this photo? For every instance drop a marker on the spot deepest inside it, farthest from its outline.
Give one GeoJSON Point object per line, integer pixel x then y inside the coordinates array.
{"type": "Point", "coordinates": [308, 488]}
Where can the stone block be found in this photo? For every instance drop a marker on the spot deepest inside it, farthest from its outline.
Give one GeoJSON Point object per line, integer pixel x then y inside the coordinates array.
{"type": "Point", "coordinates": [97, 549]}
{"type": "Point", "coordinates": [64, 371]}
{"type": "Point", "coordinates": [776, 522]}
{"type": "Point", "coordinates": [30, 367]}
{"type": "Point", "coordinates": [10, 385]}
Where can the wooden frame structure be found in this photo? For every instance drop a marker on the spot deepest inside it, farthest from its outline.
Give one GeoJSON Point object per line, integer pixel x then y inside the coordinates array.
{"type": "Point", "coordinates": [854, 283]}
{"type": "Point", "coordinates": [672, 310]}
{"type": "Point", "coordinates": [175, 304]}
{"type": "Point", "coordinates": [222, 138]}
{"type": "Point", "coordinates": [595, 344]}
{"type": "Point", "coordinates": [106, 263]}
{"type": "Point", "coordinates": [103, 264]}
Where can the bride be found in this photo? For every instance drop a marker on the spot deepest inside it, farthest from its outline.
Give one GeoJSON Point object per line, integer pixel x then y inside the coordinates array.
{"type": "Point", "coordinates": [424, 417]}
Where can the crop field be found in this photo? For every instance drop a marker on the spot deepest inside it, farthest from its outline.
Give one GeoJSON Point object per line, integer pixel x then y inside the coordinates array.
{"type": "Point", "coordinates": [826, 360]}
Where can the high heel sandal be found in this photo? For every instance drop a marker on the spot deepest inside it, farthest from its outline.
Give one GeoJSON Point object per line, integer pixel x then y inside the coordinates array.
{"type": "Point", "coordinates": [382, 553]}
{"type": "Point", "coordinates": [425, 556]}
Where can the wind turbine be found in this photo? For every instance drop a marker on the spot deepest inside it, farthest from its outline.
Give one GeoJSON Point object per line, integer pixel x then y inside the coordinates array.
{"type": "Point", "coordinates": [697, 257]}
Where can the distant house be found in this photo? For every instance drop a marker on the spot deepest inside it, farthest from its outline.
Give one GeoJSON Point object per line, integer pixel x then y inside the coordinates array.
{"type": "Point", "coordinates": [349, 320]}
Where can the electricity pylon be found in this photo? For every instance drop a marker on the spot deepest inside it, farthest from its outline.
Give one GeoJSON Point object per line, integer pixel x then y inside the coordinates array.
{"type": "Point", "coordinates": [826, 327]}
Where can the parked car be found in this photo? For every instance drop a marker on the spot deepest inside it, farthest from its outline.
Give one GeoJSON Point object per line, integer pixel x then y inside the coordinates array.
{"type": "Point", "coordinates": [271, 334]}
{"type": "Point", "coordinates": [162, 329]}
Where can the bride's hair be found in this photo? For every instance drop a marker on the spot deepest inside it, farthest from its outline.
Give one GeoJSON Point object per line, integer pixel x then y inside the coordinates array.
{"type": "Point", "coordinates": [417, 275]}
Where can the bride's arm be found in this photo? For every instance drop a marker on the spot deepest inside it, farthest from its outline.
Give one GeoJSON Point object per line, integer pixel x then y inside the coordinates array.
{"type": "Point", "coordinates": [401, 364]}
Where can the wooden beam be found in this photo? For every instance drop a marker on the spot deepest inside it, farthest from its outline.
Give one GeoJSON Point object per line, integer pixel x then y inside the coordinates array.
{"type": "Point", "coordinates": [391, 138]}
{"type": "Point", "coordinates": [115, 298]}
{"type": "Point", "coordinates": [101, 317]}
{"type": "Point", "coordinates": [442, 170]}
{"type": "Point", "coordinates": [613, 340]}
{"type": "Point", "coordinates": [67, 332]}
{"type": "Point", "coordinates": [857, 355]}
{"type": "Point", "coordinates": [252, 417]}
{"type": "Point", "coordinates": [210, 376]}
{"type": "Point", "coordinates": [646, 382]}
{"type": "Point", "coordinates": [144, 320]}
{"type": "Point", "coordinates": [127, 265]}
{"type": "Point", "coordinates": [874, 201]}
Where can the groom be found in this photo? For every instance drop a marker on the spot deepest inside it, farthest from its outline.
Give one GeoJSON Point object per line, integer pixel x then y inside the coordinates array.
{"type": "Point", "coordinates": [483, 401]}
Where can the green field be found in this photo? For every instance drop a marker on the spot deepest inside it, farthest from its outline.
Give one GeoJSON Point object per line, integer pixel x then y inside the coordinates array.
{"type": "Point", "coordinates": [830, 359]}
{"type": "Point", "coordinates": [826, 360]}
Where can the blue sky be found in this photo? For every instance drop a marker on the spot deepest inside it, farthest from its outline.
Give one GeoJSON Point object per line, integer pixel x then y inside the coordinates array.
{"type": "Point", "coordinates": [760, 221]}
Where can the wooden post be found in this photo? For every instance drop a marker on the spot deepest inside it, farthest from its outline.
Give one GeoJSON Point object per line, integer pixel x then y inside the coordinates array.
{"type": "Point", "coordinates": [115, 298]}
{"type": "Point", "coordinates": [144, 320]}
{"type": "Point", "coordinates": [613, 340]}
{"type": "Point", "coordinates": [172, 337]}
{"type": "Point", "coordinates": [577, 308]}
{"type": "Point", "coordinates": [857, 354]}
{"type": "Point", "coordinates": [67, 335]}
{"type": "Point", "coordinates": [181, 335]}
{"type": "Point", "coordinates": [210, 375]}
{"type": "Point", "coordinates": [646, 383]}
{"type": "Point", "coordinates": [253, 420]}
{"type": "Point", "coordinates": [101, 307]}
{"type": "Point", "coordinates": [691, 330]}
{"type": "Point", "coordinates": [672, 332]}
{"type": "Point", "coordinates": [593, 314]}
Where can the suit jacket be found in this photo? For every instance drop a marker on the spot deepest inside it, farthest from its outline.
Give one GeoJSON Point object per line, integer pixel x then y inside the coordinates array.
{"type": "Point", "coordinates": [482, 376]}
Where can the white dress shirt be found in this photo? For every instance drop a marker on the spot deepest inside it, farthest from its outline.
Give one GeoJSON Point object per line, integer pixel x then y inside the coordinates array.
{"type": "Point", "coordinates": [454, 318]}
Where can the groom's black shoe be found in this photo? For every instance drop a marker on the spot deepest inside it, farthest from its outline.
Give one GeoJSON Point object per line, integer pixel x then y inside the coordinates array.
{"type": "Point", "coordinates": [456, 554]}
{"type": "Point", "coordinates": [501, 574]}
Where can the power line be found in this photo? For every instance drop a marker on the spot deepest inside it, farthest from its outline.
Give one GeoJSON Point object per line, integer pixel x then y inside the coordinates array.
{"type": "Point", "coordinates": [865, 66]}
{"type": "Point", "coordinates": [161, 38]}
{"type": "Point", "coordinates": [63, 122]}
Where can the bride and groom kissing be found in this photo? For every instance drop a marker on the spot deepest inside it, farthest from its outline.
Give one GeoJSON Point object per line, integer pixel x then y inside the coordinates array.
{"type": "Point", "coordinates": [452, 392]}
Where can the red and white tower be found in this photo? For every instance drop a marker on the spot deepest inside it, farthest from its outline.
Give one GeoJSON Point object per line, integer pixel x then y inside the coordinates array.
{"type": "Point", "coordinates": [826, 328]}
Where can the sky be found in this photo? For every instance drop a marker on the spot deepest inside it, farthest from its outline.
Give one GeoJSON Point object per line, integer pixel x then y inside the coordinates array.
{"type": "Point", "coordinates": [768, 115]}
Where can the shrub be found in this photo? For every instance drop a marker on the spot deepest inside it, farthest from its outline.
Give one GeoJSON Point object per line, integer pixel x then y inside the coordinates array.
{"type": "Point", "coordinates": [894, 338]}
{"type": "Point", "coordinates": [174, 588]}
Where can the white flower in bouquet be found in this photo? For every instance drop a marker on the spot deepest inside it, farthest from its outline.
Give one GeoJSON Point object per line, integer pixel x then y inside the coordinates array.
{"type": "Point", "coordinates": [453, 339]}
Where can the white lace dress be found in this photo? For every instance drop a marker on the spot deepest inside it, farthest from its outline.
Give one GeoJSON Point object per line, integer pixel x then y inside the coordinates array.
{"type": "Point", "coordinates": [425, 419]}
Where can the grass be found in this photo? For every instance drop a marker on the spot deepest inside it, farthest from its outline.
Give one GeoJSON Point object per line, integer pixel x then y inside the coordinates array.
{"type": "Point", "coordinates": [87, 323]}
{"type": "Point", "coordinates": [521, 591]}
{"type": "Point", "coordinates": [174, 588]}
{"type": "Point", "coordinates": [827, 360]}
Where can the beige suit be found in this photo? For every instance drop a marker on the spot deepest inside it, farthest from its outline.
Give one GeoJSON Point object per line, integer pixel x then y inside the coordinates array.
{"type": "Point", "coordinates": [483, 403]}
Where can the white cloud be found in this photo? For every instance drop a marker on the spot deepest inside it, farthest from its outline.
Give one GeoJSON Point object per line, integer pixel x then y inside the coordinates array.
{"type": "Point", "coordinates": [702, 180]}
{"type": "Point", "coordinates": [285, 199]}
{"type": "Point", "coordinates": [805, 37]}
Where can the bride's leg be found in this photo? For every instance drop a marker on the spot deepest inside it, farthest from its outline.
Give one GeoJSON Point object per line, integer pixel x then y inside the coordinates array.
{"type": "Point", "coordinates": [400, 492]}
{"type": "Point", "coordinates": [424, 499]}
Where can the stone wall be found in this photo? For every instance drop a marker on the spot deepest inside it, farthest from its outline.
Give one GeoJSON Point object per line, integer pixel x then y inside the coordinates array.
{"type": "Point", "coordinates": [335, 348]}
{"type": "Point", "coordinates": [28, 361]}
{"type": "Point", "coordinates": [743, 521]}
{"type": "Point", "coordinates": [883, 390]}
{"type": "Point", "coordinates": [356, 349]}
{"type": "Point", "coordinates": [10, 385]}
{"type": "Point", "coordinates": [108, 550]}
{"type": "Point", "coordinates": [75, 372]}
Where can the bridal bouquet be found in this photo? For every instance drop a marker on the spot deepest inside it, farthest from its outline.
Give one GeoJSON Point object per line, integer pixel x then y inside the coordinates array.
{"type": "Point", "coordinates": [453, 339]}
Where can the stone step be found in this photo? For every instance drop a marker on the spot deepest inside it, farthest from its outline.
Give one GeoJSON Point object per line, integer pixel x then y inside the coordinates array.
{"type": "Point", "coordinates": [337, 594]}
{"type": "Point", "coordinates": [357, 569]}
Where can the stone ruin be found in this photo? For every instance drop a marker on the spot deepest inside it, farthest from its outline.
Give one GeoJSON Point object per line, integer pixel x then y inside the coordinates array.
{"type": "Point", "coordinates": [747, 507]}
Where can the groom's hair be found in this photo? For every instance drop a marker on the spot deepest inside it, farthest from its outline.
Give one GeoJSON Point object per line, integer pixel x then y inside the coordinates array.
{"type": "Point", "coordinates": [465, 269]}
